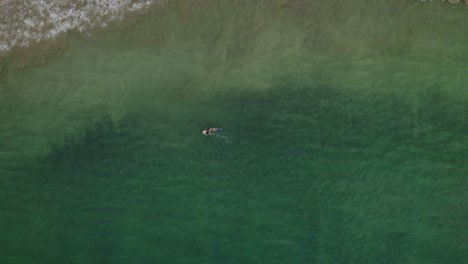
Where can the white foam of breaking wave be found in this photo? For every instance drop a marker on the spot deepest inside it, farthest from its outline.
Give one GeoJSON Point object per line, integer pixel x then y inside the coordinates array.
{"type": "Point", "coordinates": [25, 21]}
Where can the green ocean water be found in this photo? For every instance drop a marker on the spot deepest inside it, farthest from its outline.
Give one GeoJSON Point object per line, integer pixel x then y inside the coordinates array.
{"type": "Point", "coordinates": [345, 137]}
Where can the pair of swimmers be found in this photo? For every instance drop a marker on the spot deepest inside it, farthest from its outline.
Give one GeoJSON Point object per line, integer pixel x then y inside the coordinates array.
{"type": "Point", "coordinates": [210, 131]}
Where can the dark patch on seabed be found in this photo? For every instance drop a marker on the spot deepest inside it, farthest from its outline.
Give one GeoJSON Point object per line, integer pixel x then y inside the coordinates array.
{"type": "Point", "coordinates": [326, 178]}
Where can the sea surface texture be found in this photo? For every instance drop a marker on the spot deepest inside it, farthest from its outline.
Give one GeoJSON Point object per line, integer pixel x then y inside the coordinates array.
{"type": "Point", "coordinates": [345, 131]}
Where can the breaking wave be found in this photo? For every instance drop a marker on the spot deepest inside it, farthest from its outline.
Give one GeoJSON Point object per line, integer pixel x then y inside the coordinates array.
{"type": "Point", "coordinates": [24, 22]}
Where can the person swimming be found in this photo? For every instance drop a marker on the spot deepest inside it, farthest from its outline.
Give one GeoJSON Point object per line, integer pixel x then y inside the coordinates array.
{"type": "Point", "coordinates": [210, 131]}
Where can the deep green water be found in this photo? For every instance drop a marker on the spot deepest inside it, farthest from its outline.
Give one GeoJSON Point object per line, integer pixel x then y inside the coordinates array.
{"type": "Point", "coordinates": [345, 140]}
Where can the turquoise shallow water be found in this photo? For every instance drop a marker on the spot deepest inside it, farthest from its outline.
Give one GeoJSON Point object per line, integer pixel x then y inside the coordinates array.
{"type": "Point", "coordinates": [345, 137]}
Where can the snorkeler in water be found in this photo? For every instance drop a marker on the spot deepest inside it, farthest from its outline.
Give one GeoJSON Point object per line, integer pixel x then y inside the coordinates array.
{"type": "Point", "coordinates": [210, 131]}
